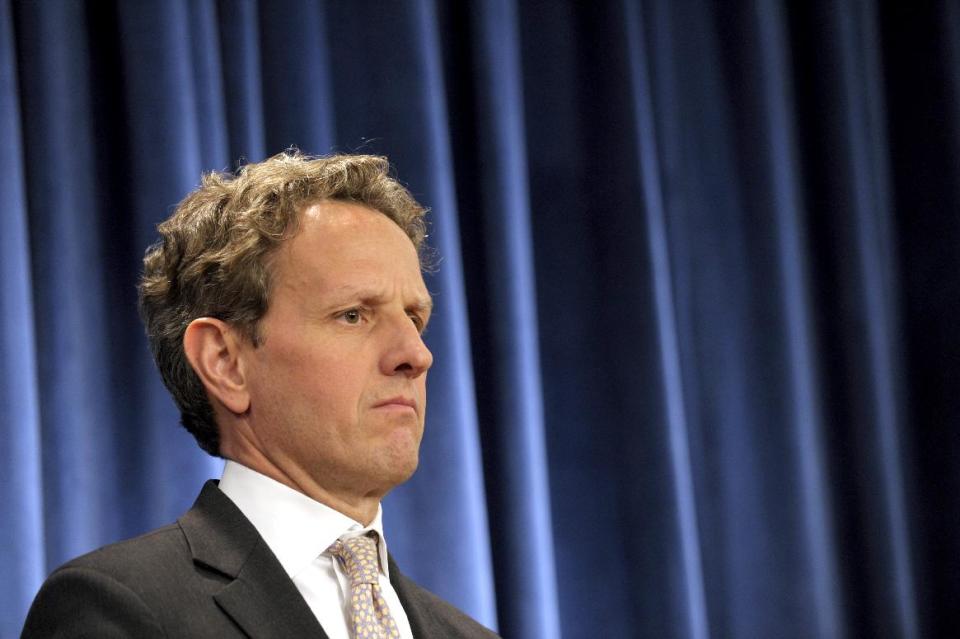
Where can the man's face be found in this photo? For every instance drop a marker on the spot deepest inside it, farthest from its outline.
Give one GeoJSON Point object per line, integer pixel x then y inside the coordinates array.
{"type": "Point", "coordinates": [338, 384]}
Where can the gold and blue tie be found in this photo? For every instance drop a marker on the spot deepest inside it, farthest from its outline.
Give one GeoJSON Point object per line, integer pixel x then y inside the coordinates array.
{"type": "Point", "coordinates": [369, 614]}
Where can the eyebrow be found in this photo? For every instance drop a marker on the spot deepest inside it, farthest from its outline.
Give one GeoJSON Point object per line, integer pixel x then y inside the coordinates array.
{"type": "Point", "coordinates": [373, 297]}
{"type": "Point", "coordinates": [424, 305]}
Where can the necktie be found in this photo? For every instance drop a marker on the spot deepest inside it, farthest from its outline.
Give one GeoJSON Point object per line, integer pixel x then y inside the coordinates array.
{"type": "Point", "coordinates": [369, 614]}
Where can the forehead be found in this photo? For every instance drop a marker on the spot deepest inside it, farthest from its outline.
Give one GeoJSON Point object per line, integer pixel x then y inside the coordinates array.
{"type": "Point", "coordinates": [344, 244]}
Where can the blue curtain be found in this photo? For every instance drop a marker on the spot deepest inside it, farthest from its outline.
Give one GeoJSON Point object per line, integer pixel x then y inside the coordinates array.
{"type": "Point", "coordinates": [697, 345]}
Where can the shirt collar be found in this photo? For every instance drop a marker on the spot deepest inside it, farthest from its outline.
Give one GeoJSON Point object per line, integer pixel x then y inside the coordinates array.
{"type": "Point", "coordinates": [296, 528]}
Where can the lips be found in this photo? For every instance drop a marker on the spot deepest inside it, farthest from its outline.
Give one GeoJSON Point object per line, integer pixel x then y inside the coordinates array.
{"type": "Point", "coordinates": [398, 402]}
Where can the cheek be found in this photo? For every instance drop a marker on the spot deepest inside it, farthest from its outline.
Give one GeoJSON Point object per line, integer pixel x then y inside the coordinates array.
{"type": "Point", "coordinates": [287, 384]}
{"type": "Point", "coordinates": [335, 388]}
{"type": "Point", "coordinates": [296, 364]}
{"type": "Point", "coordinates": [323, 381]}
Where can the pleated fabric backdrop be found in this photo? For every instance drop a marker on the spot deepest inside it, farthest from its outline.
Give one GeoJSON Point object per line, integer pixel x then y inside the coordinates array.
{"type": "Point", "coordinates": [697, 345]}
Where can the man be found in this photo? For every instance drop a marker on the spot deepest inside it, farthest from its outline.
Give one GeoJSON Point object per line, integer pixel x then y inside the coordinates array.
{"type": "Point", "coordinates": [284, 308]}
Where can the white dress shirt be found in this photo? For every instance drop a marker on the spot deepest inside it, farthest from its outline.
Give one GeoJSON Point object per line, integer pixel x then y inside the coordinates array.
{"type": "Point", "coordinates": [299, 530]}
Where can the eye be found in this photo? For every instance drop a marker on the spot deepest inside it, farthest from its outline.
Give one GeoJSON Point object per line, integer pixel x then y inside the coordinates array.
{"type": "Point", "coordinates": [418, 322]}
{"type": "Point", "coordinates": [352, 316]}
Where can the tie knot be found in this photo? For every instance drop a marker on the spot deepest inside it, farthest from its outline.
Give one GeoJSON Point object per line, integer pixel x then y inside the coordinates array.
{"type": "Point", "coordinates": [359, 558]}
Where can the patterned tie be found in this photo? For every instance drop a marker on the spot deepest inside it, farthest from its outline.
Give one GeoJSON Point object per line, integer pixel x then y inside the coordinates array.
{"type": "Point", "coordinates": [369, 614]}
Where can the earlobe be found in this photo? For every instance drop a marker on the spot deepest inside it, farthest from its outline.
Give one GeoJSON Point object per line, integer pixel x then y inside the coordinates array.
{"type": "Point", "coordinates": [213, 349]}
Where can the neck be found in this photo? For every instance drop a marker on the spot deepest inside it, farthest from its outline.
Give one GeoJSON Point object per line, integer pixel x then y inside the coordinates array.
{"type": "Point", "coordinates": [361, 507]}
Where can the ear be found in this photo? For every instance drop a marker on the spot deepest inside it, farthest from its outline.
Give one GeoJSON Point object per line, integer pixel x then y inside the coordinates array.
{"type": "Point", "coordinates": [214, 350]}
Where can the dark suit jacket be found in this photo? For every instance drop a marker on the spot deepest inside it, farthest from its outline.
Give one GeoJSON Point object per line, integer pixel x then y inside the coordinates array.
{"type": "Point", "coordinates": [208, 575]}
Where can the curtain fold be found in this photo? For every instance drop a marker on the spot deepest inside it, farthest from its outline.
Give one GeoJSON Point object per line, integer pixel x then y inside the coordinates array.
{"type": "Point", "coordinates": [861, 79]}
{"type": "Point", "coordinates": [696, 292]}
{"type": "Point", "coordinates": [55, 97]}
{"type": "Point", "coordinates": [21, 480]}
{"type": "Point", "coordinates": [300, 103]}
{"type": "Point", "coordinates": [242, 68]}
{"type": "Point", "coordinates": [693, 604]}
{"type": "Point", "coordinates": [785, 185]}
{"type": "Point", "coordinates": [504, 314]}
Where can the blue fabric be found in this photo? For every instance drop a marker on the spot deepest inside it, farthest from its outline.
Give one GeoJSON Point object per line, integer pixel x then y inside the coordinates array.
{"type": "Point", "coordinates": [696, 345]}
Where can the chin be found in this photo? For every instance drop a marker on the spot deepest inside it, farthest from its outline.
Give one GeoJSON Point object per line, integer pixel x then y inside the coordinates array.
{"type": "Point", "coordinates": [399, 458]}
{"type": "Point", "coordinates": [402, 470]}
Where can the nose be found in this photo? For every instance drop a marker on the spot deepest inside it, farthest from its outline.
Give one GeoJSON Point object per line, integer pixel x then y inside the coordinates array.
{"type": "Point", "coordinates": [407, 354]}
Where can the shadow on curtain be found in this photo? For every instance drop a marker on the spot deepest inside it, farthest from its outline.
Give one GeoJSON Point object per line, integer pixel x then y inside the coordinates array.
{"type": "Point", "coordinates": [696, 340]}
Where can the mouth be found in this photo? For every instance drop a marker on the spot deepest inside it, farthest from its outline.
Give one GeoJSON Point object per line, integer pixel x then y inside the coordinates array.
{"type": "Point", "coordinates": [398, 403]}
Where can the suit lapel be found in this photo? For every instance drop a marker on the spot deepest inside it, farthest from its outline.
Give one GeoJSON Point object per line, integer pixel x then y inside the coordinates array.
{"type": "Point", "coordinates": [265, 603]}
{"type": "Point", "coordinates": [261, 598]}
{"type": "Point", "coordinates": [407, 596]}
{"type": "Point", "coordinates": [420, 614]}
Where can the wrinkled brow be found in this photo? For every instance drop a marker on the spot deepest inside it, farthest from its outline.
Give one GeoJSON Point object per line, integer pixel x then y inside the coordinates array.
{"type": "Point", "coordinates": [374, 297]}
